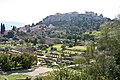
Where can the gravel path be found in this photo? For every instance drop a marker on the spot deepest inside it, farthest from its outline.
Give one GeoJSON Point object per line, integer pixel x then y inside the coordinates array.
{"type": "Point", "coordinates": [38, 71]}
{"type": "Point", "coordinates": [35, 72]}
{"type": "Point", "coordinates": [31, 72]}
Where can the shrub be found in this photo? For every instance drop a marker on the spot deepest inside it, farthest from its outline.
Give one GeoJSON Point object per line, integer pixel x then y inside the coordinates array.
{"type": "Point", "coordinates": [43, 47]}
{"type": "Point", "coordinates": [27, 60]}
{"type": "Point", "coordinates": [11, 61]}
{"type": "Point", "coordinates": [70, 45]}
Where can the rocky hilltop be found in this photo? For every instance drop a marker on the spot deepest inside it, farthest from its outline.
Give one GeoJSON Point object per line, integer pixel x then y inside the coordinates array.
{"type": "Point", "coordinates": [68, 21]}
{"type": "Point", "coordinates": [88, 19]}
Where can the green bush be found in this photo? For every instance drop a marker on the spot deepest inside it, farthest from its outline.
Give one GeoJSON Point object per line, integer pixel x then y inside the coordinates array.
{"type": "Point", "coordinates": [11, 61]}
{"type": "Point", "coordinates": [27, 60]}
{"type": "Point", "coordinates": [43, 47]}
{"type": "Point", "coordinates": [5, 62]}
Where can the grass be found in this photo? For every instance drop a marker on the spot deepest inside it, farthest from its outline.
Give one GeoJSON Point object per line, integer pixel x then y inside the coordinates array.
{"type": "Point", "coordinates": [58, 46]}
{"type": "Point", "coordinates": [59, 31]}
{"type": "Point", "coordinates": [13, 76]}
{"type": "Point", "coordinates": [73, 49]}
{"type": "Point", "coordinates": [49, 49]}
{"type": "Point", "coordinates": [95, 33]}
{"type": "Point", "coordinates": [13, 47]}
{"type": "Point", "coordinates": [57, 52]}
{"type": "Point", "coordinates": [1, 77]}
{"type": "Point", "coordinates": [78, 48]}
{"type": "Point", "coordinates": [8, 45]}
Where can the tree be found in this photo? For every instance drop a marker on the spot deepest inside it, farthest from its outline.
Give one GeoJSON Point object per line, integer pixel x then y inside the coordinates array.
{"type": "Point", "coordinates": [13, 28]}
{"type": "Point", "coordinates": [10, 34]}
{"type": "Point", "coordinates": [110, 57]}
{"type": "Point", "coordinates": [91, 49]}
{"type": "Point", "coordinates": [35, 41]}
{"type": "Point", "coordinates": [5, 62]}
{"type": "Point", "coordinates": [2, 28]}
{"type": "Point", "coordinates": [27, 60]}
{"type": "Point", "coordinates": [15, 58]}
{"type": "Point", "coordinates": [75, 39]}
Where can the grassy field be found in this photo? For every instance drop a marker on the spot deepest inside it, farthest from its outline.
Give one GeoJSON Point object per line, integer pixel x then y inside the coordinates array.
{"type": "Point", "coordinates": [13, 76]}
{"type": "Point", "coordinates": [74, 49]}
{"type": "Point", "coordinates": [58, 46]}
{"type": "Point", "coordinates": [1, 77]}
{"type": "Point", "coordinates": [77, 48]}
{"type": "Point", "coordinates": [95, 33]}
{"type": "Point", "coordinates": [8, 45]}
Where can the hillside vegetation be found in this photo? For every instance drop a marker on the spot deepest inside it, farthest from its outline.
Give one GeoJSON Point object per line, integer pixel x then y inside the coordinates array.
{"type": "Point", "coordinates": [77, 46]}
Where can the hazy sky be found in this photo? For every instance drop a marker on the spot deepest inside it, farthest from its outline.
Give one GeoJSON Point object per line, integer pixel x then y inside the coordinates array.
{"type": "Point", "coordinates": [32, 11]}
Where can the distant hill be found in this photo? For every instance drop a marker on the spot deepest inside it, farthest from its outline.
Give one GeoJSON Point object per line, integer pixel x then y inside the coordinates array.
{"type": "Point", "coordinates": [68, 22]}
{"type": "Point", "coordinates": [8, 24]}
{"type": "Point", "coordinates": [63, 26]}
{"type": "Point", "coordinates": [87, 20]}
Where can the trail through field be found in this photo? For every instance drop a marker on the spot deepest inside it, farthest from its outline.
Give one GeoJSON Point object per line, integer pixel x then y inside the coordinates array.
{"type": "Point", "coordinates": [38, 71]}
{"type": "Point", "coordinates": [32, 72]}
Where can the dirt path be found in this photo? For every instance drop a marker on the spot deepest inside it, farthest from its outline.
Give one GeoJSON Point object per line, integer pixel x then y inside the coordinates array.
{"type": "Point", "coordinates": [38, 71]}
{"type": "Point", "coordinates": [44, 70]}
{"type": "Point", "coordinates": [35, 72]}
{"type": "Point", "coordinates": [32, 72]}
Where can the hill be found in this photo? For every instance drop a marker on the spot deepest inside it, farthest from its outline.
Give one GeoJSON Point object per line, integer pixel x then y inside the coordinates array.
{"type": "Point", "coordinates": [87, 20]}
{"type": "Point", "coordinates": [65, 25]}
{"type": "Point", "coordinates": [69, 23]}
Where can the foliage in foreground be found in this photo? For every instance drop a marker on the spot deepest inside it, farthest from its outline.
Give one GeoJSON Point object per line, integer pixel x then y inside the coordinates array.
{"type": "Point", "coordinates": [14, 61]}
{"type": "Point", "coordinates": [62, 74]}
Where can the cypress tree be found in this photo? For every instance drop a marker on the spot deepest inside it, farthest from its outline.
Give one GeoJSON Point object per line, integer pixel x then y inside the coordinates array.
{"type": "Point", "coordinates": [14, 28]}
{"type": "Point", "coordinates": [1, 28]}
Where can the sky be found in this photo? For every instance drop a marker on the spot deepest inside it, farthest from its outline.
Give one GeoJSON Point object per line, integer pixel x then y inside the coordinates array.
{"type": "Point", "coordinates": [33, 11]}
